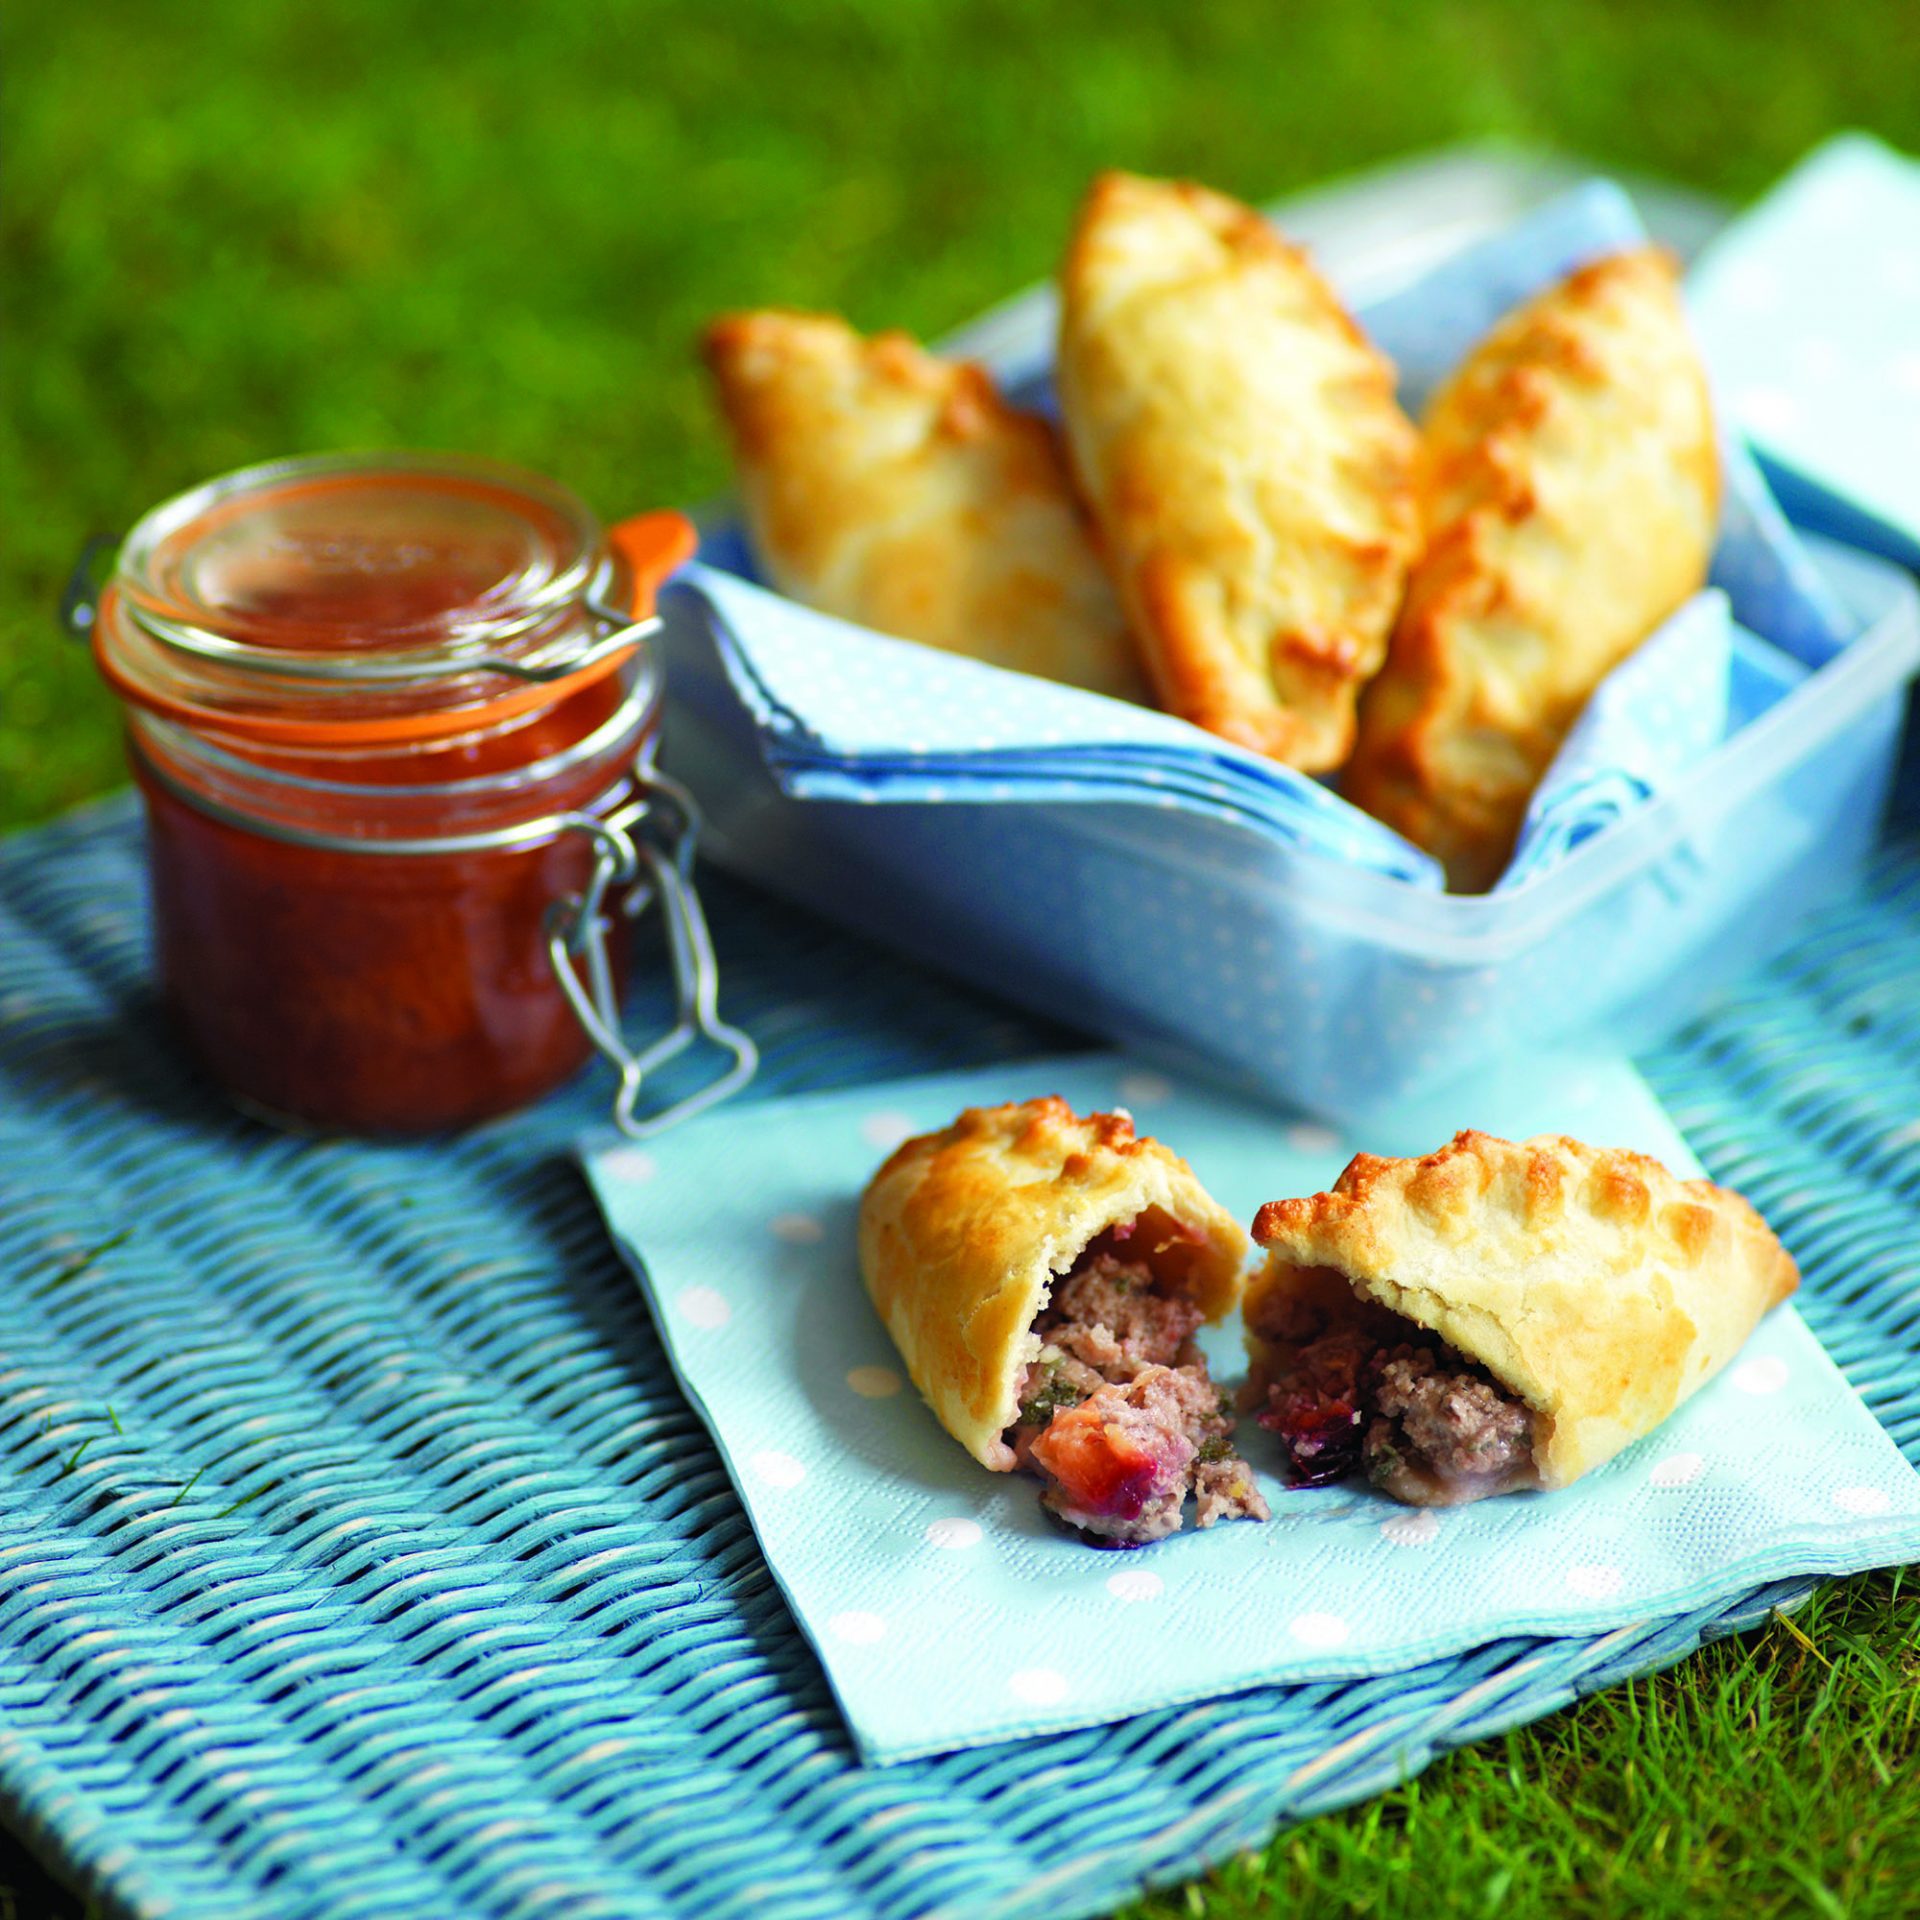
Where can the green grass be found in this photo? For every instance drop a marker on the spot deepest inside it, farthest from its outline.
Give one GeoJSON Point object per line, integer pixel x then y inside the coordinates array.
{"type": "Point", "coordinates": [1770, 1775]}
{"type": "Point", "coordinates": [235, 228]}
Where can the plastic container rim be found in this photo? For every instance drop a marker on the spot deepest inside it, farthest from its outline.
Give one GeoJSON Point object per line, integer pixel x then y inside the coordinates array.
{"type": "Point", "coordinates": [1483, 928]}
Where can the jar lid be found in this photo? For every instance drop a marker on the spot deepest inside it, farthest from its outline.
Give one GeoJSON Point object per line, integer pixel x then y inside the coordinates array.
{"type": "Point", "coordinates": [393, 595]}
{"type": "Point", "coordinates": [348, 554]}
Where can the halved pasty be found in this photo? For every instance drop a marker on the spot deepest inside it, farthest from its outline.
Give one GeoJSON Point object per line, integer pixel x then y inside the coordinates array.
{"type": "Point", "coordinates": [1043, 1276]}
{"type": "Point", "coordinates": [1570, 490]}
{"type": "Point", "coordinates": [1251, 473]}
{"type": "Point", "coordinates": [1497, 1316]}
{"type": "Point", "coordinates": [902, 492]}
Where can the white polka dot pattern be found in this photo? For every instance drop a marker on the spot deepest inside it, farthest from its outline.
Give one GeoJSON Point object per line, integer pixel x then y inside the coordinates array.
{"type": "Point", "coordinates": [704, 1307]}
{"type": "Point", "coordinates": [1594, 1580]}
{"type": "Point", "coordinates": [954, 1535]}
{"type": "Point", "coordinates": [1764, 1375]}
{"type": "Point", "coordinates": [1321, 1630]}
{"type": "Point", "coordinates": [1419, 1527]}
{"type": "Point", "coordinates": [629, 1163]}
{"type": "Point", "coordinates": [1038, 1686]}
{"type": "Point", "coordinates": [1867, 1502]}
{"type": "Point", "coordinates": [780, 1470]}
{"type": "Point", "coordinates": [1677, 1470]}
{"type": "Point", "coordinates": [1767, 410]}
{"type": "Point", "coordinates": [1309, 1136]}
{"type": "Point", "coordinates": [1144, 1090]}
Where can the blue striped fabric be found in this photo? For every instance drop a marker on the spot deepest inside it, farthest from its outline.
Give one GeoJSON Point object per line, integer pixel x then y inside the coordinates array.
{"type": "Point", "coordinates": [360, 1557]}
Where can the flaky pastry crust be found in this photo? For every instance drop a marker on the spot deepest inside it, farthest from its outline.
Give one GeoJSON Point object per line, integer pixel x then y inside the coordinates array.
{"type": "Point", "coordinates": [1570, 492]}
{"type": "Point", "coordinates": [1250, 470]}
{"type": "Point", "coordinates": [902, 492]}
{"type": "Point", "coordinates": [1594, 1285]}
{"type": "Point", "coordinates": [963, 1233]}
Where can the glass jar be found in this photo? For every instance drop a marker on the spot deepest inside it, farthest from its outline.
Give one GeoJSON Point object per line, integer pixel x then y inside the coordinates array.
{"type": "Point", "coordinates": [394, 719]}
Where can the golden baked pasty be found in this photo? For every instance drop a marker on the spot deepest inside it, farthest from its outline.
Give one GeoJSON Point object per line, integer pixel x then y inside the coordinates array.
{"type": "Point", "coordinates": [1570, 492]}
{"type": "Point", "coordinates": [1043, 1276]}
{"type": "Point", "coordinates": [902, 492]}
{"type": "Point", "coordinates": [1250, 471]}
{"type": "Point", "coordinates": [1497, 1315]}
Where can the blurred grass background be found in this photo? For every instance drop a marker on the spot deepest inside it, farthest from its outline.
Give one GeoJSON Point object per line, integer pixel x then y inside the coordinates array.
{"type": "Point", "coordinates": [236, 229]}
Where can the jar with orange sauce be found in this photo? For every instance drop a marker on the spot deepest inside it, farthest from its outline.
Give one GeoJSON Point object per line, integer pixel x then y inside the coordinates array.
{"type": "Point", "coordinates": [394, 718]}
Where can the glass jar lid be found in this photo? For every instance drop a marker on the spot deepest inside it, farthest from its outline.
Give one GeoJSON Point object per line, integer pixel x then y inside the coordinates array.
{"type": "Point", "coordinates": [359, 555]}
{"type": "Point", "coordinates": [389, 594]}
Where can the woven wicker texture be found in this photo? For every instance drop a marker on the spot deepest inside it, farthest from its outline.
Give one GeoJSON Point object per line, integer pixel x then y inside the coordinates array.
{"type": "Point", "coordinates": [361, 1558]}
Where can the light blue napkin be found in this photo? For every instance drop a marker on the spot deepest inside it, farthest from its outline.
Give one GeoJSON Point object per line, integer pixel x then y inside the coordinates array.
{"type": "Point", "coordinates": [947, 1612]}
{"type": "Point", "coordinates": [1653, 716]}
{"type": "Point", "coordinates": [844, 714]}
{"type": "Point", "coordinates": [847, 714]}
{"type": "Point", "coordinates": [1809, 308]}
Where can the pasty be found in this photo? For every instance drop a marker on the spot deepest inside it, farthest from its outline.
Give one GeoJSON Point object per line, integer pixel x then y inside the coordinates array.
{"type": "Point", "coordinates": [902, 492]}
{"type": "Point", "coordinates": [1043, 1276]}
{"type": "Point", "coordinates": [1497, 1316]}
{"type": "Point", "coordinates": [1250, 471]}
{"type": "Point", "coordinates": [1570, 491]}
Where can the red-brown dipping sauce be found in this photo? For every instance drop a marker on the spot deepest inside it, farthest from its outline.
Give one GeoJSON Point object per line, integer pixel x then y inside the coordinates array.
{"type": "Point", "coordinates": [363, 813]}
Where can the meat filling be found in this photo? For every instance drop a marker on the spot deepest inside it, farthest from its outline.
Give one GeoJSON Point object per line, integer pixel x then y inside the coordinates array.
{"type": "Point", "coordinates": [1117, 1414]}
{"type": "Point", "coordinates": [1444, 1431]}
{"type": "Point", "coordinates": [1378, 1394]}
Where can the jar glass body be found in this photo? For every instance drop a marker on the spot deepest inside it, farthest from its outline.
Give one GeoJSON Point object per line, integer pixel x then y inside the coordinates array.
{"type": "Point", "coordinates": [375, 715]}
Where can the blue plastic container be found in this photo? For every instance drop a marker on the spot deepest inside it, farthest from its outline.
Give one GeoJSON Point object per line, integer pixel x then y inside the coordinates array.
{"type": "Point", "coordinates": [1287, 973]}
{"type": "Point", "coordinates": [1307, 980]}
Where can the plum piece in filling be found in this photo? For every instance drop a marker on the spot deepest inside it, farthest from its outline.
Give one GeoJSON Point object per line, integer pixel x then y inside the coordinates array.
{"type": "Point", "coordinates": [1351, 1387]}
{"type": "Point", "coordinates": [1117, 1413]}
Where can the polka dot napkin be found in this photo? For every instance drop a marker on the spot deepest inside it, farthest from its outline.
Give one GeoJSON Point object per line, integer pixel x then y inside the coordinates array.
{"type": "Point", "coordinates": [947, 1612]}
{"type": "Point", "coordinates": [1809, 307]}
{"type": "Point", "coordinates": [1650, 719]}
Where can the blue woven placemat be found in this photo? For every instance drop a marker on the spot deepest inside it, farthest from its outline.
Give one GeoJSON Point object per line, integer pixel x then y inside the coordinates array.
{"type": "Point", "coordinates": [358, 1555]}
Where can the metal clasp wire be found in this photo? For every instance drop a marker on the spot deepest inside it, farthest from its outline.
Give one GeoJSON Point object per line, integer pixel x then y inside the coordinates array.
{"type": "Point", "coordinates": [655, 864]}
{"type": "Point", "coordinates": [80, 602]}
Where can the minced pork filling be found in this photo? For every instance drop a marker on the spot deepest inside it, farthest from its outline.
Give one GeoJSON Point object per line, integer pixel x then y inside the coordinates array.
{"type": "Point", "coordinates": [1379, 1394]}
{"type": "Point", "coordinates": [1117, 1414]}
